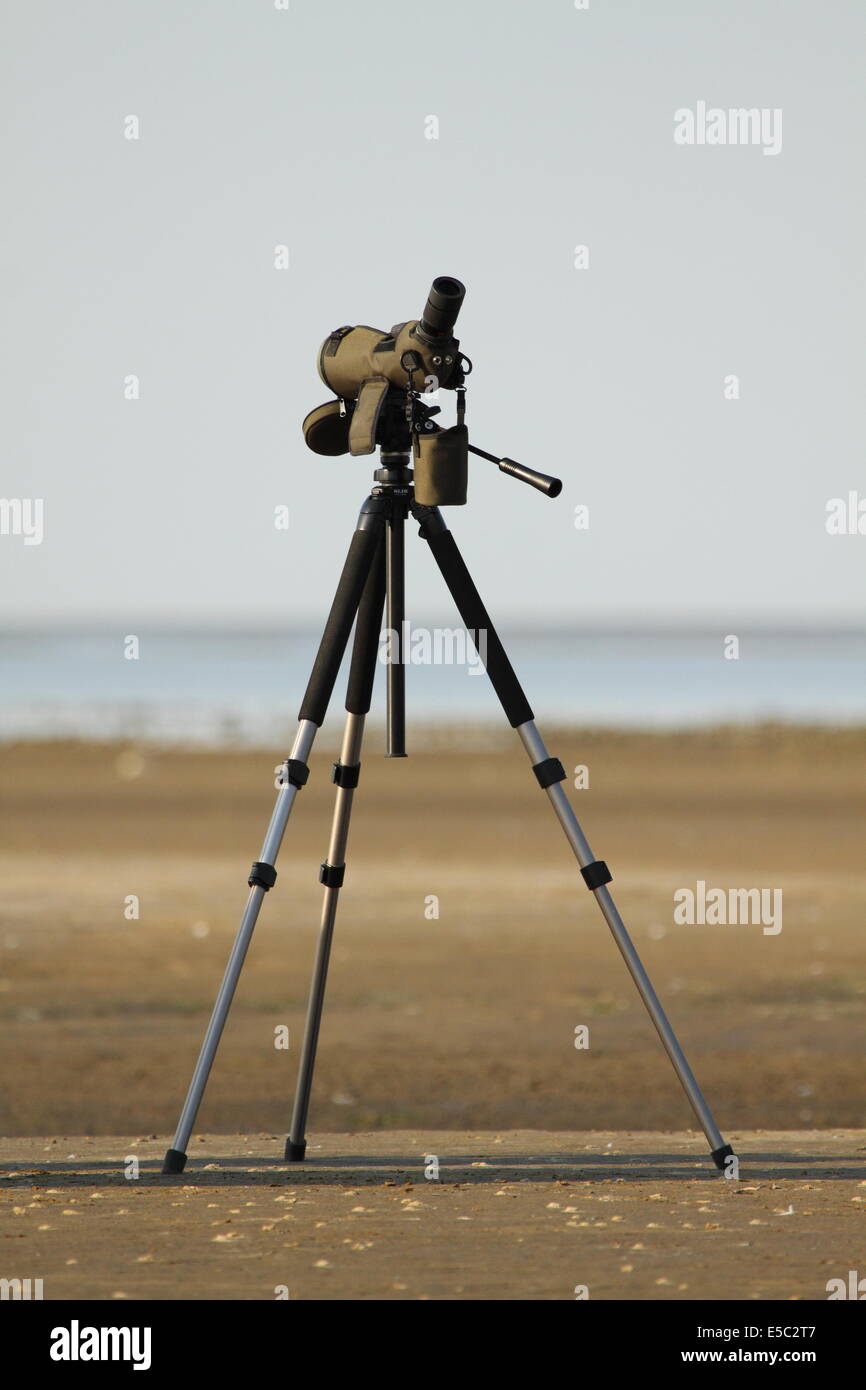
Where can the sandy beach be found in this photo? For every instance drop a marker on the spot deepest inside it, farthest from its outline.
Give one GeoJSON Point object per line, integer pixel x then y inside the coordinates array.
{"type": "Point", "coordinates": [467, 1019]}
{"type": "Point", "coordinates": [436, 1026]}
{"type": "Point", "coordinates": [510, 1215]}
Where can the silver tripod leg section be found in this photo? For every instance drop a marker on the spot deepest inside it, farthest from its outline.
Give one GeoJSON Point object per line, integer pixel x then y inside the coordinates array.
{"type": "Point", "coordinates": [331, 874]}
{"type": "Point", "coordinates": [534, 745]}
{"type": "Point", "coordinates": [261, 879]}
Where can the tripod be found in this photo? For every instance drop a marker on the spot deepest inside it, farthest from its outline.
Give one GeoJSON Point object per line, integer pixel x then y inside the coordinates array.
{"type": "Point", "coordinates": [373, 579]}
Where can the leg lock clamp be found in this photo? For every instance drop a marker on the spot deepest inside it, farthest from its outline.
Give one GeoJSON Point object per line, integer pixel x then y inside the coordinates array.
{"type": "Point", "coordinates": [262, 876]}
{"type": "Point", "coordinates": [332, 875]}
{"type": "Point", "coordinates": [596, 874]}
{"type": "Point", "coordinates": [548, 772]}
{"type": "Point", "coordinates": [292, 770]}
{"type": "Point", "coordinates": [346, 774]}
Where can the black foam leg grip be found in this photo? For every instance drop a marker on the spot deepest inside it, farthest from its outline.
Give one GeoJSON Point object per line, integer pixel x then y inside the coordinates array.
{"type": "Point", "coordinates": [476, 618]}
{"type": "Point", "coordinates": [174, 1161]}
{"type": "Point", "coordinates": [365, 647]}
{"type": "Point", "coordinates": [362, 552]}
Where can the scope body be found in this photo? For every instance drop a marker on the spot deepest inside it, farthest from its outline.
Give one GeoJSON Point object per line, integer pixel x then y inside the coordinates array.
{"type": "Point", "coordinates": [377, 377]}
{"type": "Point", "coordinates": [352, 355]}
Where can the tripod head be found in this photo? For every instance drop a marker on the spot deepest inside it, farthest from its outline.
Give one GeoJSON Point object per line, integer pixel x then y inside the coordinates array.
{"type": "Point", "coordinates": [378, 380]}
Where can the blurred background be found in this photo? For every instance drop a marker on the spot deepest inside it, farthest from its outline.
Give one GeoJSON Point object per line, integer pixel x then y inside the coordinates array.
{"type": "Point", "coordinates": [194, 200]}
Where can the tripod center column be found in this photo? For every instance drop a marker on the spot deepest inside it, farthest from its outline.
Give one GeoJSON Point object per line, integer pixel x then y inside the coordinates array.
{"type": "Point", "coordinates": [394, 481]}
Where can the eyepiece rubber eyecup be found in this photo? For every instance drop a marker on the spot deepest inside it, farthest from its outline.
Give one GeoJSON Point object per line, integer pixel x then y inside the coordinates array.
{"type": "Point", "coordinates": [443, 306]}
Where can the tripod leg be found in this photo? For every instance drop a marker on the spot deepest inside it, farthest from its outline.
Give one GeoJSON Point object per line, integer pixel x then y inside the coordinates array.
{"type": "Point", "coordinates": [365, 545]}
{"type": "Point", "coordinates": [396, 612]}
{"type": "Point", "coordinates": [550, 775]}
{"type": "Point", "coordinates": [332, 872]}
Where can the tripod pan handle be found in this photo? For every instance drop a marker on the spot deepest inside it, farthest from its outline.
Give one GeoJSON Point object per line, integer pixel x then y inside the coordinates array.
{"type": "Point", "coordinates": [551, 487]}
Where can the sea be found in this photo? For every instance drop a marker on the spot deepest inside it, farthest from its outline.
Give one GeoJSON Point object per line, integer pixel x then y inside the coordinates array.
{"type": "Point", "coordinates": [242, 688]}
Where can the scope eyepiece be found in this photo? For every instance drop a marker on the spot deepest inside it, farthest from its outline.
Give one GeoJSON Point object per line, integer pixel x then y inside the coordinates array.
{"type": "Point", "coordinates": [442, 307]}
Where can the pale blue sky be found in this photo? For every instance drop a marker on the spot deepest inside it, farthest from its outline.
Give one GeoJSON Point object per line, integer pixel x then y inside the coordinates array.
{"type": "Point", "coordinates": [307, 127]}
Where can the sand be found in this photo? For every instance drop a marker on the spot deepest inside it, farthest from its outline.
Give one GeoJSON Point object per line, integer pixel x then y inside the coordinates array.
{"type": "Point", "coordinates": [526, 1215]}
{"type": "Point", "coordinates": [461, 1023]}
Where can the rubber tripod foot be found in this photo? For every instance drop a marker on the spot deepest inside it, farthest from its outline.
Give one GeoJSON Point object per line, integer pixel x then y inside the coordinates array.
{"type": "Point", "coordinates": [174, 1161]}
{"type": "Point", "coordinates": [720, 1156]}
{"type": "Point", "coordinates": [295, 1152]}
